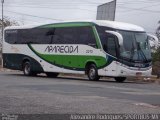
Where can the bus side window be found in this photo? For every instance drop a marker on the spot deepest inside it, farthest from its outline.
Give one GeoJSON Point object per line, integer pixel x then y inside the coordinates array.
{"type": "Point", "coordinates": [64, 36]}
{"type": "Point", "coordinates": [85, 36]}
{"type": "Point", "coordinates": [41, 35]}
{"type": "Point", "coordinates": [34, 36]}
{"type": "Point", "coordinates": [55, 39]}
{"type": "Point", "coordinates": [111, 45]}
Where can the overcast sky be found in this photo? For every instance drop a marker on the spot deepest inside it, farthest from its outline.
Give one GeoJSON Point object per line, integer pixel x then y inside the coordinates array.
{"type": "Point", "coordinates": [145, 13]}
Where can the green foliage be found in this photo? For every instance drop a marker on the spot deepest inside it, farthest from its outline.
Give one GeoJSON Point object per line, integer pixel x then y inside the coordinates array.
{"type": "Point", "coordinates": [8, 22]}
{"type": "Point", "coordinates": [156, 55]}
{"type": "Point", "coordinates": [156, 62]}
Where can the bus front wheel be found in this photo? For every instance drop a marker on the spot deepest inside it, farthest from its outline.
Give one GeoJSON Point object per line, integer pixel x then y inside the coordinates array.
{"type": "Point", "coordinates": [93, 73]}
{"type": "Point", "coordinates": [120, 79]}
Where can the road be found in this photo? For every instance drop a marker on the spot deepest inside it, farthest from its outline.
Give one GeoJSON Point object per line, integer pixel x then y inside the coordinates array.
{"type": "Point", "coordinates": [31, 95]}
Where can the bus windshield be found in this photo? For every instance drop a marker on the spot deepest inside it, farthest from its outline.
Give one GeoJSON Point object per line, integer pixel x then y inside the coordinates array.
{"type": "Point", "coordinates": [135, 46]}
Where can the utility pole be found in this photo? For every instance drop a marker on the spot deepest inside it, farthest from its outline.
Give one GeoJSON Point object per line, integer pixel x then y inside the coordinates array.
{"type": "Point", "coordinates": [115, 10]}
{"type": "Point", "coordinates": [2, 1]}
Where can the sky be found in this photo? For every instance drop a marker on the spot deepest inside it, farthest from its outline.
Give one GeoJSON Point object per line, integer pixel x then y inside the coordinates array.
{"type": "Point", "coordinates": [145, 13]}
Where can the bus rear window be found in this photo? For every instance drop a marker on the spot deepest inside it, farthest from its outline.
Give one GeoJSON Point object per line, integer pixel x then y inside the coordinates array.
{"type": "Point", "coordinates": [11, 36]}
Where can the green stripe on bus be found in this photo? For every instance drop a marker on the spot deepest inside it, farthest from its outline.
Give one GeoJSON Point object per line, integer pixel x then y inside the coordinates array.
{"type": "Point", "coordinates": [97, 37]}
{"type": "Point", "coordinates": [72, 61]}
{"type": "Point", "coordinates": [71, 24]}
{"type": "Point", "coordinates": [75, 61]}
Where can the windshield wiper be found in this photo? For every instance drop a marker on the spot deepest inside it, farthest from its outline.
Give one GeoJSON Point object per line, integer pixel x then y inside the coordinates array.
{"type": "Point", "coordinates": [132, 51]}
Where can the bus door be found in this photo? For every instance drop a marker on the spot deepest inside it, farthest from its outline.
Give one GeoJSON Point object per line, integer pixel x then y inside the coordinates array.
{"type": "Point", "coordinates": [111, 47]}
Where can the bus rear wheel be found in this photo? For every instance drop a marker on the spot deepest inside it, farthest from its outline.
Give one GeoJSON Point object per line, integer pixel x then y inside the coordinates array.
{"type": "Point", "coordinates": [27, 69]}
{"type": "Point", "coordinates": [50, 74]}
{"type": "Point", "coordinates": [120, 79]}
{"type": "Point", "coordinates": [92, 73]}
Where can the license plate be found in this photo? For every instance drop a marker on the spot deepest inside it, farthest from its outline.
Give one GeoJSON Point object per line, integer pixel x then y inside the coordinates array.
{"type": "Point", "coordinates": [138, 74]}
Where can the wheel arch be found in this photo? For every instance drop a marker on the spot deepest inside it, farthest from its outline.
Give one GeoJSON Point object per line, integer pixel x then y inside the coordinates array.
{"type": "Point", "coordinates": [88, 63]}
{"type": "Point", "coordinates": [36, 66]}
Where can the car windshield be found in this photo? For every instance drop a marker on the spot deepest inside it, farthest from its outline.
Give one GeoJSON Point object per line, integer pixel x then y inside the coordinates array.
{"type": "Point", "coordinates": [135, 46]}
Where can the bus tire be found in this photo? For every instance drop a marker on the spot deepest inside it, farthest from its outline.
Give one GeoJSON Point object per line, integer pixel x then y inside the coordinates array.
{"type": "Point", "coordinates": [92, 72]}
{"type": "Point", "coordinates": [120, 79]}
{"type": "Point", "coordinates": [51, 75]}
{"type": "Point", "coordinates": [27, 69]}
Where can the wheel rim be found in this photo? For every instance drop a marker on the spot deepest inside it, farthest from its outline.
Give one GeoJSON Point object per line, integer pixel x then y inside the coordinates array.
{"type": "Point", "coordinates": [92, 73]}
{"type": "Point", "coordinates": [27, 69]}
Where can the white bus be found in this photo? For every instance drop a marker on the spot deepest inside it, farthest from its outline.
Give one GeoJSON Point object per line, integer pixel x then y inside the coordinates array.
{"type": "Point", "coordinates": [96, 48]}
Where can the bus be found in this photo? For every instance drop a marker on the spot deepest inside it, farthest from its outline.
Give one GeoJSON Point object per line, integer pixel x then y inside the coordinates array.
{"type": "Point", "coordinates": [95, 48]}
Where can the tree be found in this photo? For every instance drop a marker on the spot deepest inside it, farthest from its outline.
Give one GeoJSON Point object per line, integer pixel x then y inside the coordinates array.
{"type": "Point", "coordinates": [158, 31]}
{"type": "Point", "coordinates": [8, 22]}
{"type": "Point", "coordinates": [156, 63]}
{"type": "Point", "coordinates": [156, 55]}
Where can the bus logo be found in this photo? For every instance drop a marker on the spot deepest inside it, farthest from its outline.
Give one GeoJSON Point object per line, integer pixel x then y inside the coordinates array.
{"type": "Point", "coordinates": [61, 49]}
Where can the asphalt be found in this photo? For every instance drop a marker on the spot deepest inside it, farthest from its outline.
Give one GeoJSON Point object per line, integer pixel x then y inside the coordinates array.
{"type": "Point", "coordinates": [20, 94]}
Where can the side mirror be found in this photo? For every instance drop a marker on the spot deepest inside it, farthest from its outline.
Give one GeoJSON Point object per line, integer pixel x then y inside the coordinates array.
{"type": "Point", "coordinates": [153, 40]}
{"type": "Point", "coordinates": [118, 35]}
